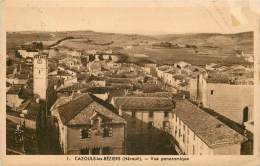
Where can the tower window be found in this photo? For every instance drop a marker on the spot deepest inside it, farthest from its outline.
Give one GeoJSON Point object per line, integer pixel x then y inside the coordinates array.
{"type": "Point", "coordinates": [212, 92]}
{"type": "Point", "coordinates": [39, 71]}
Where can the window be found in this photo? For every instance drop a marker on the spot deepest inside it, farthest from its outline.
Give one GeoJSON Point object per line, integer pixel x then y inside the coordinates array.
{"type": "Point", "coordinates": [166, 114]}
{"type": "Point", "coordinates": [107, 151]}
{"type": "Point", "coordinates": [183, 127]}
{"type": "Point", "coordinates": [39, 71]}
{"type": "Point", "coordinates": [84, 151]}
{"type": "Point", "coordinates": [188, 130]}
{"type": "Point", "coordinates": [95, 151]}
{"type": "Point", "coordinates": [133, 114]}
{"type": "Point", "coordinates": [193, 149]}
{"type": "Point", "coordinates": [150, 125]}
{"type": "Point", "coordinates": [96, 123]}
{"type": "Point", "coordinates": [172, 116]}
{"type": "Point", "coordinates": [150, 114]}
{"type": "Point", "coordinates": [183, 138]}
{"type": "Point", "coordinates": [194, 136]}
{"type": "Point", "coordinates": [212, 92]}
{"type": "Point", "coordinates": [166, 124]}
{"type": "Point", "coordinates": [84, 133]}
{"type": "Point", "coordinates": [176, 119]}
{"type": "Point", "coordinates": [179, 132]}
{"type": "Point", "coordinates": [108, 131]}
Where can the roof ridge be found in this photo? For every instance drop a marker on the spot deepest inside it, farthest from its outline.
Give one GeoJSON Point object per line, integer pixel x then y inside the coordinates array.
{"type": "Point", "coordinates": [80, 109]}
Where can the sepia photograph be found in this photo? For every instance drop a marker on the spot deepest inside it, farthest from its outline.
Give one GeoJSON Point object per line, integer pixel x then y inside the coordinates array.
{"type": "Point", "coordinates": [130, 79]}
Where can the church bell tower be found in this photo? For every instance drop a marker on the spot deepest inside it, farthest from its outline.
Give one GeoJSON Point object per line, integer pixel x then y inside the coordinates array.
{"type": "Point", "coordinates": [40, 75]}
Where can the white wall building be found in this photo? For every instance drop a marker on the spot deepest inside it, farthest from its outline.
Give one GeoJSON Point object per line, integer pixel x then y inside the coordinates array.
{"type": "Point", "coordinates": [198, 133]}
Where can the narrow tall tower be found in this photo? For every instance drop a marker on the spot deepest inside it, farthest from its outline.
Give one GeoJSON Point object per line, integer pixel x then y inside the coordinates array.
{"type": "Point", "coordinates": [40, 75]}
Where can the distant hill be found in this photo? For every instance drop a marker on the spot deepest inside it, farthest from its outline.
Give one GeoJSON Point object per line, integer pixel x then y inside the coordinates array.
{"type": "Point", "coordinates": [208, 47]}
{"type": "Point", "coordinates": [242, 41]}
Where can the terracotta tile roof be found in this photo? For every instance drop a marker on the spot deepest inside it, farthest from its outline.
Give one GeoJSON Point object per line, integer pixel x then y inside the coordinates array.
{"type": "Point", "coordinates": [116, 93]}
{"type": "Point", "coordinates": [216, 77]}
{"type": "Point", "coordinates": [155, 94]}
{"type": "Point", "coordinates": [63, 73]}
{"type": "Point", "coordinates": [163, 68]}
{"type": "Point", "coordinates": [119, 80]}
{"type": "Point", "coordinates": [179, 77]}
{"type": "Point", "coordinates": [210, 130]}
{"type": "Point", "coordinates": [144, 103]}
{"type": "Point", "coordinates": [80, 105]}
{"type": "Point", "coordinates": [75, 87]}
{"type": "Point", "coordinates": [148, 87]}
{"type": "Point", "coordinates": [71, 109]}
{"type": "Point", "coordinates": [22, 76]}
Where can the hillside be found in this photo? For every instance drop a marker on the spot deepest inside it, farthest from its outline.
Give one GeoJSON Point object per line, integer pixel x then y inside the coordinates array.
{"type": "Point", "coordinates": [240, 40]}
{"type": "Point", "coordinates": [193, 48]}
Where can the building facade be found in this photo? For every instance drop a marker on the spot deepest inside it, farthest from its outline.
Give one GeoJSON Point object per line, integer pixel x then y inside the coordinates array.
{"type": "Point", "coordinates": [221, 97]}
{"type": "Point", "coordinates": [88, 125]}
{"type": "Point", "coordinates": [148, 123]}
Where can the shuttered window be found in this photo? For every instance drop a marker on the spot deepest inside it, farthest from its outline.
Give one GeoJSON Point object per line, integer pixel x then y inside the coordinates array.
{"type": "Point", "coordinates": [85, 133]}
{"type": "Point", "coordinates": [108, 132]}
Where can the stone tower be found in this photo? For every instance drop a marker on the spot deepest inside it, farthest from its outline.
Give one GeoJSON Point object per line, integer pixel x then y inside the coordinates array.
{"type": "Point", "coordinates": [40, 75]}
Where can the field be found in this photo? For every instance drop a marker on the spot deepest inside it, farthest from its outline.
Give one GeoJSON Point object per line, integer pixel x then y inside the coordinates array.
{"type": "Point", "coordinates": [218, 48]}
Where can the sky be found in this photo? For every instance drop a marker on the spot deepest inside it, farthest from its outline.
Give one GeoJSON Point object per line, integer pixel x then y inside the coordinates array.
{"type": "Point", "coordinates": [140, 18]}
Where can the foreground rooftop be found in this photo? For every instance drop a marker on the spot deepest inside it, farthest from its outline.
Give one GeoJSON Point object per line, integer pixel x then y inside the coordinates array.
{"type": "Point", "coordinates": [210, 130]}
{"type": "Point", "coordinates": [78, 111]}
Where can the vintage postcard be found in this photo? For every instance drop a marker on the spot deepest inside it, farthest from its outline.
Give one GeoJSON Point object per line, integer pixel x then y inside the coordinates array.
{"type": "Point", "coordinates": [130, 82]}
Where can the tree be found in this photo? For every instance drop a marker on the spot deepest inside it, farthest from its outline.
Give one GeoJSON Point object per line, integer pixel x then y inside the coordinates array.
{"type": "Point", "coordinates": [37, 45]}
